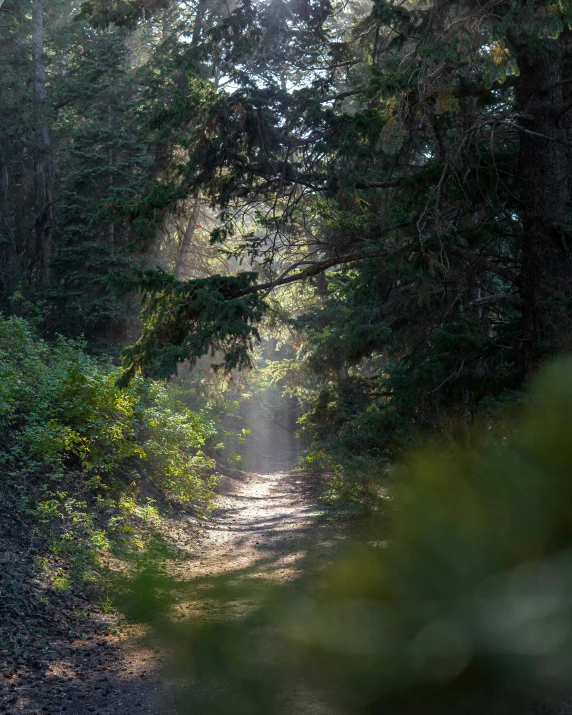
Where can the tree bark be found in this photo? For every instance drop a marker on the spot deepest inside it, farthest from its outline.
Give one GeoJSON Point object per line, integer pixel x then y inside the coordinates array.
{"type": "Point", "coordinates": [186, 244]}
{"type": "Point", "coordinates": [43, 162]}
{"type": "Point", "coordinates": [187, 239]}
{"type": "Point", "coordinates": [544, 170]}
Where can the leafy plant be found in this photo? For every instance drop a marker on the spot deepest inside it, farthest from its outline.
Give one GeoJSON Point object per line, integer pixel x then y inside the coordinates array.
{"type": "Point", "coordinates": [65, 415]}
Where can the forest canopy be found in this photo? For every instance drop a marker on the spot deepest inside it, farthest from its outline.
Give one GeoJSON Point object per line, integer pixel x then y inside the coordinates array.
{"type": "Point", "coordinates": [407, 162]}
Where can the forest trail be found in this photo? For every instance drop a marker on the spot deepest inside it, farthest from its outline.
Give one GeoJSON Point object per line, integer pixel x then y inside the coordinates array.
{"type": "Point", "coordinates": [265, 526]}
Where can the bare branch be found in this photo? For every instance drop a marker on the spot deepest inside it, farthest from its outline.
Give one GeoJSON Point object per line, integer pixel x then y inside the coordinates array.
{"type": "Point", "coordinates": [343, 95]}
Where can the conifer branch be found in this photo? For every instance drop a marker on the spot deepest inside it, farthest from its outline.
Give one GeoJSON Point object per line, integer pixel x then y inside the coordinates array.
{"type": "Point", "coordinates": [312, 270]}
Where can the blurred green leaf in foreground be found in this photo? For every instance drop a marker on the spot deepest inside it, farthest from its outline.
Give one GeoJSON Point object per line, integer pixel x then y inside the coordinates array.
{"type": "Point", "coordinates": [462, 604]}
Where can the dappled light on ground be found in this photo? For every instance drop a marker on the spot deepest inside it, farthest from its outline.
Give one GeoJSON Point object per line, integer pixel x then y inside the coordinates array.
{"type": "Point", "coordinates": [268, 537]}
{"type": "Point", "coordinates": [100, 673]}
{"type": "Point", "coordinates": [267, 530]}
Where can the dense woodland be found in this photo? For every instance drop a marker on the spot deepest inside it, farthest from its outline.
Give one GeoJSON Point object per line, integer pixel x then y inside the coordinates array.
{"type": "Point", "coordinates": [406, 164]}
{"type": "Point", "coordinates": [226, 221]}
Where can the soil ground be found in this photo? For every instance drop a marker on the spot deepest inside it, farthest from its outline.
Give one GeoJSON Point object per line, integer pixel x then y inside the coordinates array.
{"type": "Point", "coordinates": [69, 654]}
{"type": "Point", "coordinates": [80, 659]}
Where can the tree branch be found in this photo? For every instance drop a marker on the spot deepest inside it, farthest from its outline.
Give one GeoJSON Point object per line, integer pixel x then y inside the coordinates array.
{"type": "Point", "coordinates": [343, 95]}
{"type": "Point", "coordinates": [485, 263]}
{"type": "Point", "coordinates": [498, 298]}
{"type": "Point", "coordinates": [561, 83]}
{"type": "Point", "coordinates": [313, 270]}
{"type": "Point", "coordinates": [564, 109]}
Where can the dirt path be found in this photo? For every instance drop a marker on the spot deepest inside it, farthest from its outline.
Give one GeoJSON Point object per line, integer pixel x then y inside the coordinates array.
{"type": "Point", "coordinates": [267, 529]}
{"type": "Point", "coordinates": [266, 526]}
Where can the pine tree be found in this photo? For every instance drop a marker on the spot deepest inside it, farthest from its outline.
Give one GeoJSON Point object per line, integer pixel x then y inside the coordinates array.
{"type": "Point", "coordinates": [108, 156]}
{"type": "Point", "coordinates": [74, 140]}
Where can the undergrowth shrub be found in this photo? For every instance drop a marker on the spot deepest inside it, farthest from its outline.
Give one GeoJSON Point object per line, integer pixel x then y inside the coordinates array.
{"type": "Point", "coordinates": [353, 483]}
{"type": "Point", "coordinates": [62, 417]}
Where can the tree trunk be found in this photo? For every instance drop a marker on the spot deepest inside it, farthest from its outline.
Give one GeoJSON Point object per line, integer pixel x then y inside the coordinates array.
{"type": "Point", "coordinates": [9, 255]}
{"type": "Point", "coordinates": [198, 23]}
{"type": "Point", "coordinates": [43, 164]}
{"type": "Point", "coordinates": [544, 169]}
{"type": "Point", "coordinates": [187, 239]}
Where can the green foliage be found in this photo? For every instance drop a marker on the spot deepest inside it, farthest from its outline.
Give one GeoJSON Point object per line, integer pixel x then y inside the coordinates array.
{"type": "Point", "coordinates": [388, 368]}
{"type": "Point", "coordinates": [384, 141]}
{"type": "Point", "coordinates": [107, 161]}
{"type": "Point", "coordinates": [187, 320]}
{"type": "Point", "coordinates": [343, 141]}
{"type": "Point", "coordinates": [99, 147]}
{"type": "Point", "coordinates": [63, 417]}
{"type": "Point", "coordinates": [457, 600]}
{"type": "Point", "coordinates": [125, 13]}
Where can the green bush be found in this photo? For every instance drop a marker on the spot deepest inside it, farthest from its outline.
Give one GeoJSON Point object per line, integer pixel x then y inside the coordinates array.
{"type": "Point", "coordinates": [62, 415]}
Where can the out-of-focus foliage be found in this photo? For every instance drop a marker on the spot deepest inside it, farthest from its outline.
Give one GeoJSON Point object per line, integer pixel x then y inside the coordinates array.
{"type": "Point", "coordinates": [62, 417]}
{"type": "Point", "coordinates": [459, 599]}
